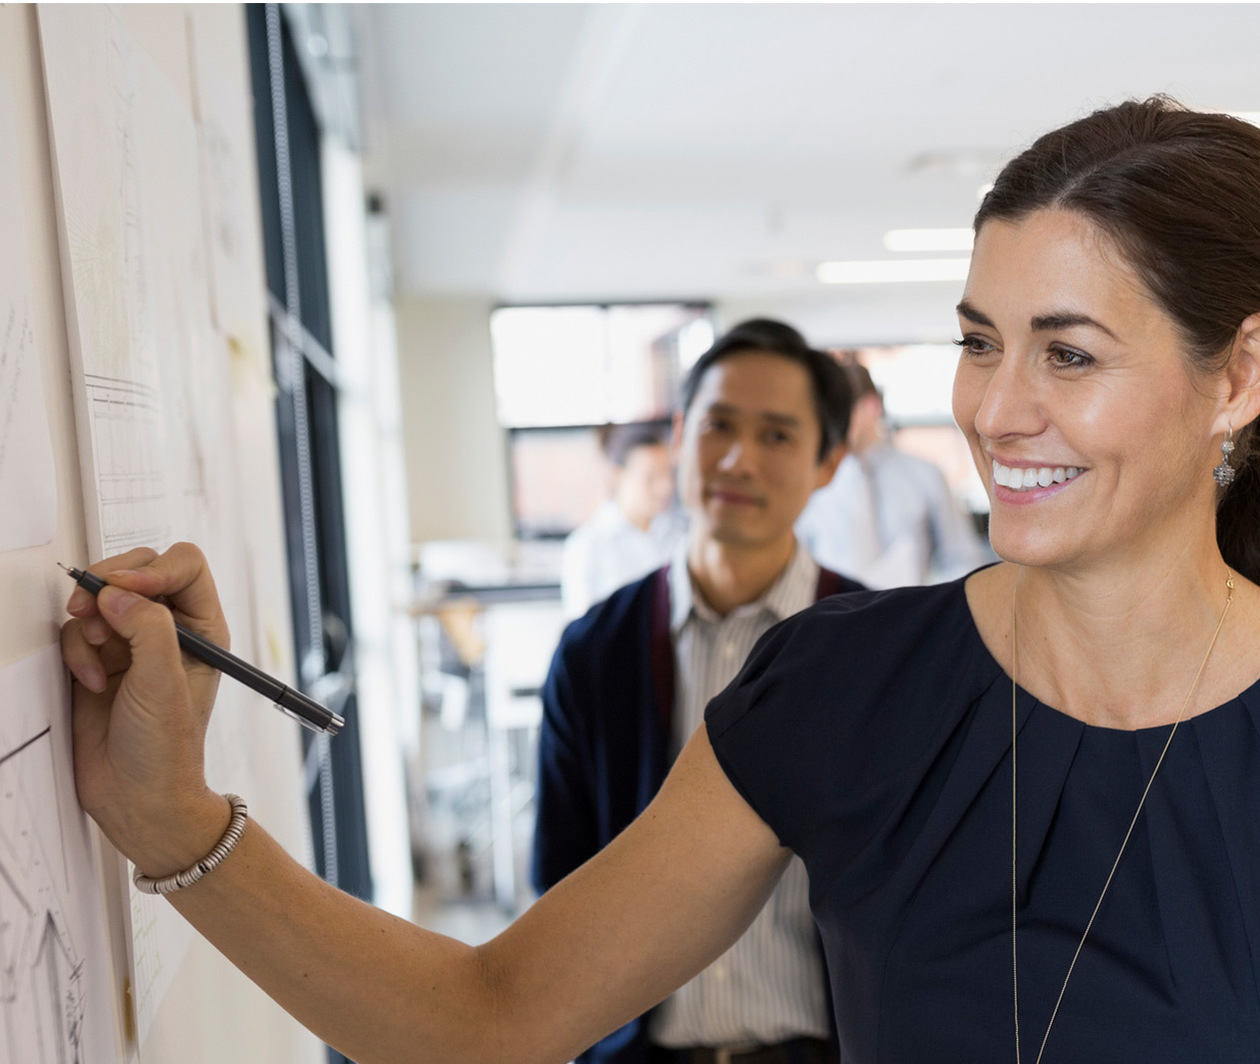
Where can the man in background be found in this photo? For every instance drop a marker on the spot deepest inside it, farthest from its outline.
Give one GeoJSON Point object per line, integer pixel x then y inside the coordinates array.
{"type": "Point", "coordinates": [888, 517]}
{"type": "Point", "coordinates": [762, 426]}
{"type": "Point", "coordinates": [634, 530]}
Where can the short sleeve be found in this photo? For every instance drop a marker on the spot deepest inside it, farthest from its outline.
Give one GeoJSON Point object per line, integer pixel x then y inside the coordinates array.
{"type": "Point", "coordinates": [835, 714]}
{"type": "Point", "coordinates": [757, 725]}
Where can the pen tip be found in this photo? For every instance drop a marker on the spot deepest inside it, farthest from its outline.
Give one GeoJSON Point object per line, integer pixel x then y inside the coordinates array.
{"type": "Point", "coordinates": [66, 568]}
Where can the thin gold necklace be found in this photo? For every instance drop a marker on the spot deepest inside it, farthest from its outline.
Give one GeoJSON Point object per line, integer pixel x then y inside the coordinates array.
{"type": "Point", "coordinates": [1229, 598]}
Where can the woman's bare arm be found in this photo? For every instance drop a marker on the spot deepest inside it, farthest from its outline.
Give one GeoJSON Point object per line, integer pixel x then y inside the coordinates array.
{"type": "Point", "coordinates": [666, 898]}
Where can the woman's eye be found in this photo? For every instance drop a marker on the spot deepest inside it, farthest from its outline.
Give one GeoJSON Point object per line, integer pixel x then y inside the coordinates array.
{"type": "Point", "coordinates": [974, 345]}
{"type": "Point", "coordinates": [1066, 358]}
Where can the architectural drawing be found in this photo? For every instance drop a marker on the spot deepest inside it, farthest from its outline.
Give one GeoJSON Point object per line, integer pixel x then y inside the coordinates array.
{"type": "Point", "coordinates": [41, 971]}
{"type": "Point", "coordinates": [55, 1002]}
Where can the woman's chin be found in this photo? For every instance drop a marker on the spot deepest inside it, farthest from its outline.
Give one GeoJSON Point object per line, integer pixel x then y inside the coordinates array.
{"type": "Point", "coordinates": [1032, 550]}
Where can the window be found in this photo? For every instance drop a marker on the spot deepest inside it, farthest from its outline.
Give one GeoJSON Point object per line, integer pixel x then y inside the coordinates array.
{"type": "Point", "coordinates": [288, 138]}
{"type": "Point", "coordinates": [561, 372]}
{"type": "Point", "coordinates": [591, 365]}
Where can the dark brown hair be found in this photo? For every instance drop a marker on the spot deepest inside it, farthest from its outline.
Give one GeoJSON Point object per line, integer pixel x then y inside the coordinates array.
{"type": "Point", "coordinates": [833, 397]}
{"type": "Point", "coordinates": [1178, 192]}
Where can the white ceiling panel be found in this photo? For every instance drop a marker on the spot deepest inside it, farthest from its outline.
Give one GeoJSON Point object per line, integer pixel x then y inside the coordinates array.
{"type": "Point", "coordinates": [548, 152]}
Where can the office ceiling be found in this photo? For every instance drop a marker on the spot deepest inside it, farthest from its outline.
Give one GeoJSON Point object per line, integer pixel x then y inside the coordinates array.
{"type": "Point", "coordinates": [590, 151]}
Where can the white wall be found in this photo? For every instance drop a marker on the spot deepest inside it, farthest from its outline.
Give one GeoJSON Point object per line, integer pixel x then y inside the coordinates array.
{"type": "Point", "coordinates": [457, 473]}
{"type": "Point", "coordinates": [842, 315]}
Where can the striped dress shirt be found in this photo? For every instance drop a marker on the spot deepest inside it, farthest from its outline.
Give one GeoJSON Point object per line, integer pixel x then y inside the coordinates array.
{"type": "Point", "coordinates": [769, 986]}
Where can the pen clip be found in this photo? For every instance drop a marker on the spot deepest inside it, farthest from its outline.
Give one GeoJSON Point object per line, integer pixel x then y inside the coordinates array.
{"type": "Point", "coordinates": [309, 725]}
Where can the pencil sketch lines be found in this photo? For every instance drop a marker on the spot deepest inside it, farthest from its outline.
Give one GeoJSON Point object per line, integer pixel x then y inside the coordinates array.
{"type": "Point", "coordinates": [14, 341]}
{"type": "Point", "coordinates": [42, 997]}
{"type": "Point", "coordinates": [33, 739]}
{"type": "Point", "coordinates": [125, 423]}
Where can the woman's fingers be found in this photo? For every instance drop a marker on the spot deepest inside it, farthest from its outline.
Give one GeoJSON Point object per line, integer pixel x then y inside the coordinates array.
{"type": "Point", "coordinates": [95, 630]}
{"type": "Point", "coordinates": [179, 578]}
{"type": "Point", "coordinates": [82, 603]}
{"type": "Point", "coordinates": [173, 586]}
{"type": "Point", "coordinates": [81, 657]}
{"type": "Point", "coordinates": [182, 576]}
{"type": "Point", "coordinates": [154, 673]}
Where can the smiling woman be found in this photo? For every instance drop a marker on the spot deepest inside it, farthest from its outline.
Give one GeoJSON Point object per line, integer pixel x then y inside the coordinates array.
{"type": "Point", "coordinates": [1026, 800]}
{"type": "Point", "coordinates": [1145, 189]}
{"type": "Point", "coordinates": [1082, 370]}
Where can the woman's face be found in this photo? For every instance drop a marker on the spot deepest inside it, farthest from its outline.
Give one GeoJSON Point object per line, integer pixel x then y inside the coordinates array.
{"type": "Point", "coordinates": [1090, 434]}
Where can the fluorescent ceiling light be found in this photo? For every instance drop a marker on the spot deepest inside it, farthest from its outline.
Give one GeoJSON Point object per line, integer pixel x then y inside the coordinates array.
{"type": "Point", "coordinates": [928, 240]}
{"type": "Point", "coordinates": [892, 271]}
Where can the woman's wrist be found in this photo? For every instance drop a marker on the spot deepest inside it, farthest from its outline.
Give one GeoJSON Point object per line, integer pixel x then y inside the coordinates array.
{"type": "Point", "coordinates": [184, 838]}
{"type": "Point", "coordinates": [195, 872]}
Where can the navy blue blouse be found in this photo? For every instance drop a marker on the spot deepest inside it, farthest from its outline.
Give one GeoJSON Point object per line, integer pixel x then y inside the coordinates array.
{"type": "Point", "coordinates": [872, 733]}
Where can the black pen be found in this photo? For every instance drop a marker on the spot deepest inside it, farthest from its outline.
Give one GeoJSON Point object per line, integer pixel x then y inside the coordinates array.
{"type": "Point", "coordinates": [306, 711]}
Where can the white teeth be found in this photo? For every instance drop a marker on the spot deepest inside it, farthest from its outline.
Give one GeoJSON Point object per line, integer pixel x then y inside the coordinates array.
{"type": "Point", "coordinates": [1025, 478]}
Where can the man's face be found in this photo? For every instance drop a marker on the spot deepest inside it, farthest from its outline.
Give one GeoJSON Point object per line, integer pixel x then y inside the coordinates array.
{"type": "Point", "coordinates": [748, 450]}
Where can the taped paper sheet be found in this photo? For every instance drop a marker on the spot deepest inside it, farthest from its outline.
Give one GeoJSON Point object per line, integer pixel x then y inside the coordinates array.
{"type": "Point", "coordinates": [28, 488]}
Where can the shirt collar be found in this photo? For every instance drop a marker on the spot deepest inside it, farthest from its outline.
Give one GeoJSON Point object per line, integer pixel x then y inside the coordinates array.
{"type": "Point", "coordinates": [795, 588]}
{"type": "Point", "coordinates": [611, 517]}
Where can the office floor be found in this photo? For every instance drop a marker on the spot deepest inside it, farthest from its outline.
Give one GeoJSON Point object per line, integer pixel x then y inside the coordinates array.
{"type": "Point", "coordinates": [471, 920]}
{"type": "Point", "coordinates": [452, 837]}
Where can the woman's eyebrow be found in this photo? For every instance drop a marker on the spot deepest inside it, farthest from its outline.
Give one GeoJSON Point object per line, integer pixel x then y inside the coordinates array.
{"type": "Point", "coordinates": [1063, 319]}
{"type": "Point", "coordinates": [1066, 320]}
{"type": "Point", "coordinates": [971, 314]}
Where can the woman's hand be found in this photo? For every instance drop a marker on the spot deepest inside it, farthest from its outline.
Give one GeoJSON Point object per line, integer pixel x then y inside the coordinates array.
{"type": "Point", "coordinates": [140, 708]}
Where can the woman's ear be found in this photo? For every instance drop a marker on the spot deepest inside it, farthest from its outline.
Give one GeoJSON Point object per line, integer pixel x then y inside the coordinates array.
{"type": "Point", "coordinates": [1242, 400]}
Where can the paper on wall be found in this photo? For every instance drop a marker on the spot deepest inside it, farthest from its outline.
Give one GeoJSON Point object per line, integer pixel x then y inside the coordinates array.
{"type": "Point", "coordinates": [28, 486]}
{"type": "Point", "coordinates": [56, 999]}
{"type": "Point", "coordinates": [150, 371]}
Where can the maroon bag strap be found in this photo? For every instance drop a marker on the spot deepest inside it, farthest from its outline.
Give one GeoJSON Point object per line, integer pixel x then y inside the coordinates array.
{"type": "Point", "coordinates": [663, 662]}
{"type": "Point", "coordinates": [829, 583]}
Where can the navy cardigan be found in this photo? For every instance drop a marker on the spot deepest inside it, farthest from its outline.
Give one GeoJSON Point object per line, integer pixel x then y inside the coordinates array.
{"type": "Point", "coordinates": [603, 750]}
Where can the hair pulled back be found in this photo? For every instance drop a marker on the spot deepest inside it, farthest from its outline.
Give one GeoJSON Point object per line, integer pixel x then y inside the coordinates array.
{"type": "Point", "coordinates": [1178, 191]}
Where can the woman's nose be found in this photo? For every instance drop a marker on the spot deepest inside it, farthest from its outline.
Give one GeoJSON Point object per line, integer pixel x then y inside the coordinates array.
{"type": "Point", "coordinates": [1010, 404]}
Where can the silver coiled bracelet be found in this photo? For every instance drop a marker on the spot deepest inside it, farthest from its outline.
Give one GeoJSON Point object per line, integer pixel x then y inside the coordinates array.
{"type": "Point", "coordinates": [211, 861]}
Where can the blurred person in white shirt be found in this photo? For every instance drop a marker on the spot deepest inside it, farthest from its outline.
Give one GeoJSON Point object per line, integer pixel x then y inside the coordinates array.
{"type": "Point", "coordinates": [635, 530]}
{"type": "Point", "coordinates": [888, 518]}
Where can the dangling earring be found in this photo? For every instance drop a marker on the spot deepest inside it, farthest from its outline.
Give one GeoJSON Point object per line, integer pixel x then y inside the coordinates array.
{"type": "Point", "coordinates": [1223, 474]}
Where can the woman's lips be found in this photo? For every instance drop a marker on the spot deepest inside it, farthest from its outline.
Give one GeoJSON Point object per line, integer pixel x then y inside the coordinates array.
{"type": "Point", "coordinates": [1029, 477]}
{"type": "Point", "coordinates": [1025, 484]}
